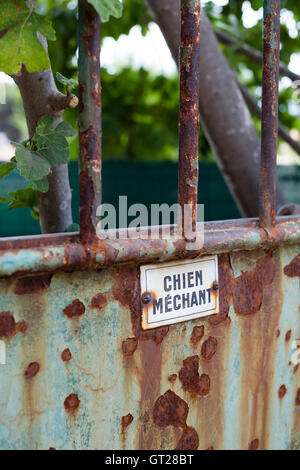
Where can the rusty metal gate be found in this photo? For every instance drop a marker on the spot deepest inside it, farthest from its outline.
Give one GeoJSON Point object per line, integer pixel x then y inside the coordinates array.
{"type": "Point", "coordinates": [80, 371]}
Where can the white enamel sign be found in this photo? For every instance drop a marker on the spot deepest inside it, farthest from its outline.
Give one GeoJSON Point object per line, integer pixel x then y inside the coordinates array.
{"type": "Point", "coordinates": [179, 291]}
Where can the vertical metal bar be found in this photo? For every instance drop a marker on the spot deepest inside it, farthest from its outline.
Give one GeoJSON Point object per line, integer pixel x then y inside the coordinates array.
{"type": "Point", "coordinates": [189, 113]}
{"type": "Point", "coordinates": [269, 133]}
{"type": "Point", "coordinates": [90, 128]}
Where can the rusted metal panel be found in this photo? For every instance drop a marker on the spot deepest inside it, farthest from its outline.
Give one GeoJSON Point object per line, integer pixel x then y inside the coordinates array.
{"type": "Point", "coordinates": [81, 373]}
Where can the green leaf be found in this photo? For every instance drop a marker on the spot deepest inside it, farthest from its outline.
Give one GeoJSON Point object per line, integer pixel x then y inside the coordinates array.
{"type": "Point", "coordinates": [52, 143]}
{"type": "Point", "coordinates": [23, 198]}
{"type": "Point", "coordinates": [43, 24]}
{"type": "Point", "coordinates": [44, 124]}
{"type": "Point", "coordinates": [54, 148]}
{"type": "Point", "coordinates": [13, 13]}
{"type": "Point", "coordinates": [31, 165]}
{"type": "Point", "coordinates": [73, 228]}
{"type": "Point", "coordinates": [107, 8]}
{"type": "Point", "coordinates": [67, 82]}
{"type": "Point", "coordinates": [42, 185]}
{"type": "Point", "coordinates": [35, 213]}
{"type": "Point", "coordinates": [6, 169]}
{"type": "Point", "coordinates": [65, 129]}
{"type": "Point", "coordinates": [19, 43]}
{"type": "Point", "coordinates": [4, 199]}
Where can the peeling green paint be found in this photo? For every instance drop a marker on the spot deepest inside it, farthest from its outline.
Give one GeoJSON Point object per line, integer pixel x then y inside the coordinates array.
{"type": "Point", "coordinates": [185, 56]}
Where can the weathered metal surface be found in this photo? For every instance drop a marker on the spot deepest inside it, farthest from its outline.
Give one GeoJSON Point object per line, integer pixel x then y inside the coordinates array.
{"type": "Point", "coordinates": [65, 252]}
{"type": "Point", "coordinates": [90, 128]}
{"type": "Point", "coordinates": [81, 373]}
{"type": "Point", "coordinates": [189, 114]}
{"type": "Point", "coordinates": [269, 134]}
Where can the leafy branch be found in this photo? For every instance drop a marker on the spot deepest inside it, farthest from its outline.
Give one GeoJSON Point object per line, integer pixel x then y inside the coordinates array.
{"type": "Point", "coordinates": [35, 157]}
{"type": "Point", "coordinates": [23, 35]}
{"type": "Point", "coordinates": [23, 198]}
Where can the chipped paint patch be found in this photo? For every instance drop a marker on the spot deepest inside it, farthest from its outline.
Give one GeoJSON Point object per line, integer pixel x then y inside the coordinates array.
{"type": "Point", "coordinates": [75, 310]}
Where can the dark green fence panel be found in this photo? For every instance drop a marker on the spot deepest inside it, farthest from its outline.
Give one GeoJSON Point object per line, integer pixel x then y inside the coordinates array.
{"type": "Point", "coordinates": [146, 183]}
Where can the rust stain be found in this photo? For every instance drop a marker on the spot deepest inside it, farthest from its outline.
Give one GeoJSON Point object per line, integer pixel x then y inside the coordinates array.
{"type": "Point", "coordinates": [209, 348]}
{"type": "Point", "coordinates": [126, 421]}
{"type": "Point", "coordinates": [197, 334]}
{"type": "Point", "coordinates": [191, 381]}
{"type": "Point", "coordinates": [170, 410]}
{"type": "Point", "coordinates": [258, 347]}
{"type": "Point", "coordinates": [87, 194]}
{"type": "Point", "coordinates": [66, 355]}
{"type": "Point", "coordinates": [246, 290]}
{"type": "Point", "coordinates": [129, 346]}
{"type": "Point", "coordinates": [282, 391]}
{"type": "Point", "coordinates": [293, 268]}
{"type": "Point", "coordinates": [172, 378]}
{"type": "Point", "coordinates": [31, 370]}
{"type": "Point", "coordinates": [288, 335]}
{"type": "Point", "coordinates": [150, 386]}
{"type": "Point", "coordinates": [71, 403]}
{"type": "Point", "coordinates": [254, 445]}
{"type": "Point", "coordinates": [225, 290]}
{"type": "Point", "coordinates": [8, 326]}
{"type": "Point", "coordinates": [98, 301]}
{"type": "Point", "coordinates": [297, 399]}
{"type": "Point", "coordinates": [277, 333]}
{"type": "Point", "coordinates": [189, 440]}
{"type": "Point", "coordinates": [249, 286]}
{"type": "Point", "coordinates": [75, 310]}
{"type": "Point", "coordinates": [32, 285]}
{"type": "Point", "coordinates": [21, 327]}
{"type": "Point", "coordinates": [126, 291]}
{"type": "Point", "coordinates": [295, 369]}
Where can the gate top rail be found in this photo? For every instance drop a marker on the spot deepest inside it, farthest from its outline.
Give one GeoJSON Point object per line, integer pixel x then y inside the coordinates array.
{"type": "Point", "coordinates": [64, 252]}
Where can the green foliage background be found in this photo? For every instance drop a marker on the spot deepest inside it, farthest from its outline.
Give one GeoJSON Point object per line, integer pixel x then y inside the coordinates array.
{"type": "Point", "coordinates": [140, 110]}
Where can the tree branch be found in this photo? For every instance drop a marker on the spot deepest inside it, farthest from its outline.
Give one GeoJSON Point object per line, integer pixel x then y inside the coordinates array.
{"type": "Point", "coordinates": [254, 107]}
{"type": "Point", "coordinates": [224, 114]}
{"type": "Point", "coordinates": [253, 54]}
{"type": "Point", "coordinates": [40, 97]}
{"type": "Point", "coordinates": [59, 102]}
